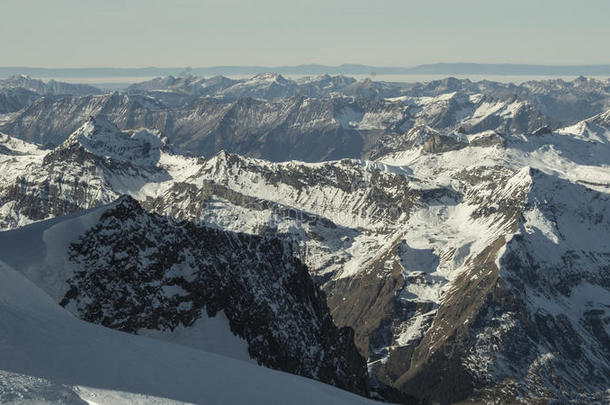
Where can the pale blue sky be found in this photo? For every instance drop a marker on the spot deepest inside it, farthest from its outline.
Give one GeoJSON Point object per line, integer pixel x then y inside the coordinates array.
{"type": "Point", "coordinates": [136, 33]}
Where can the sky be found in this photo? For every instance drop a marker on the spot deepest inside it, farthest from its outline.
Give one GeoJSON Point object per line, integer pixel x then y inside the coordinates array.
{"type": "Point", "coordinates": [179, 33]}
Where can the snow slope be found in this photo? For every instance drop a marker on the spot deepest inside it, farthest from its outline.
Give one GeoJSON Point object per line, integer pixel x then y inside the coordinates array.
{"type": "Point", "coordinates": [48, 356]}
{"type": "Point", "coordinates": [251, 280]}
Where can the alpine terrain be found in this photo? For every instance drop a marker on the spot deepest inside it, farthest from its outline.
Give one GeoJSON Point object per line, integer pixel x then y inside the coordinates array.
{"type": "Point", "coordinates": [440, 242]}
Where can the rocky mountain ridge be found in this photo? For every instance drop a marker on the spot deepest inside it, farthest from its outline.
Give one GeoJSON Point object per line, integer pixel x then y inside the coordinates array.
{"type": "Point", "coordinates": [309, 119]}
{"type": "Point", "coordinates": [50, 87]}
{"type": "Point", "coordinates": [132, 271]}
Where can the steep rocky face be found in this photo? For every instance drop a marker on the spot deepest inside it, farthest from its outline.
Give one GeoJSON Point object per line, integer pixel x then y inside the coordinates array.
{"type": "Point", "coordinates": [14, 99]}
{"type": "Point", "coordinates": [131, 270]}
{"type": "Point", "coordinates": [603, 119]}
{"type": "Point", "coordinates": [510, 115]}
{"type": "Point", "coordinates": [491, 334]}
{"type": "Point", "coordinates": [400, 305]}
{"type": "Point", "coordinates": [556, 271]}
{"type": "Point", "coordinates": [28, 192]}
{"type": "Point", "coordinates": [430, 141]}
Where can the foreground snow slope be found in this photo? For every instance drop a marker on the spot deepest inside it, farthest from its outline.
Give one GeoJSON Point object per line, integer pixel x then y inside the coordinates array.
{"type": "Point", "coordinates": [262, 294]}
{"type": "Point", "coordinates": [50, 356]}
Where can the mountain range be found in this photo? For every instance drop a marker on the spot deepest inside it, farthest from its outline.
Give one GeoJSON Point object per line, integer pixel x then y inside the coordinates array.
{"type": "Point", "coordinates": [434, 242]}
{"type": "Point", "coordinates": [311, 119]}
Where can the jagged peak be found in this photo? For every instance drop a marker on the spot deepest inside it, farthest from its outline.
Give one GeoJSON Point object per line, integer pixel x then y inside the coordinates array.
{"type": "Point", "coordinates": [125, 203]}
{"type": "Point", "coordinates": [595, 129]}
{"type": "Point", "coordinates": [580, 79]}
{"type": "Point", "coordinates": [420, 134]}
{"type": "Point", "coordinates": [224, 158]}
{"type": "Point", "coordinates": [602, 119]}
{"type": "Point", "coordinates": [269, 77]}
{"type": "Point", "coordinates": [93, 129]}
{"type": "Point", "coordinates": [98, 122]}
{"type": "Point", "coordinates": [104, 139]}
{"type": "Point", "coordinates": [222, 155]}
{"type": "Point", "coordinates": [522, 180]}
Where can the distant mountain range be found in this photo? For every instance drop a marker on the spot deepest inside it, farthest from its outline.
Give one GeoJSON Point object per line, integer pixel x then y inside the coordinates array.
{"type": "Point", "coordinates": [309, 119]}
{"type": "Point", "coordinates": [315, 69]}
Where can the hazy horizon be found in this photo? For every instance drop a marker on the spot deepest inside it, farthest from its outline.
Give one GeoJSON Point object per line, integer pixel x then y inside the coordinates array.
{"type": "Point", "coordinates": [79, 67]}
{"type": "Point", "coordinates": [71, 33]}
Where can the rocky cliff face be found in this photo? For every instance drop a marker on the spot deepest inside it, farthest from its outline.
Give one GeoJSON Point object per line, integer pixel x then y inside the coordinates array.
{"type": "Point", "coordinates": [131, 270]}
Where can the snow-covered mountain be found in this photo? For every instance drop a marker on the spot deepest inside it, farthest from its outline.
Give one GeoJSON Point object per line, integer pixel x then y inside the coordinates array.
{"type": "Point", "coordinates": [51, 357]}
{"type": "Point", "coordinates": [309, 119]}
{"type": "Point", "coordinates": [17, 92]}
{"type": "Point", "coordinates": [422, 250]}
{"type": "Point", "coordinates": [94, 166]}
{"type": "Point", "coordinates": [469, 255]}
{"type": "Point", "coordinates": [50, 87]}
{"type": "Point", "coordinates": [266, 86]}
{"type": "Point", "coordinates": [123, 268]}
{"type": "Point", "coordinates": [297, 127]}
